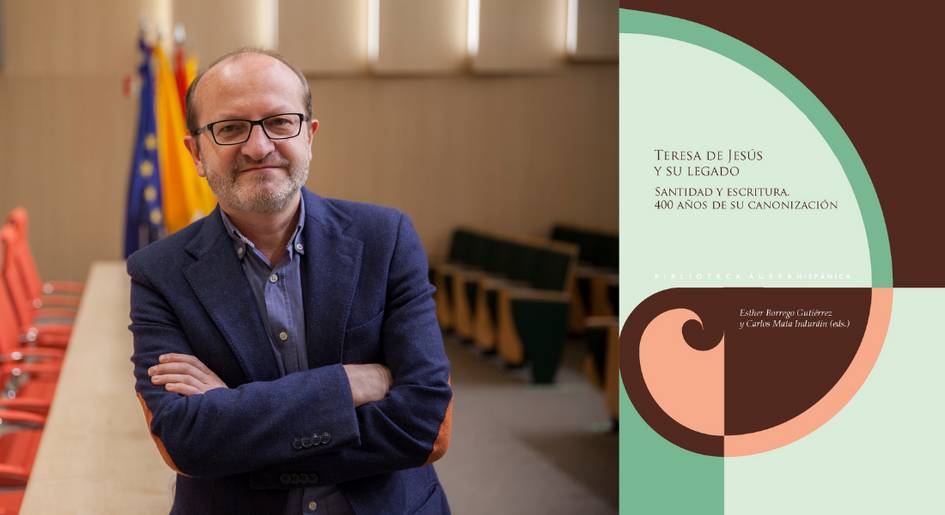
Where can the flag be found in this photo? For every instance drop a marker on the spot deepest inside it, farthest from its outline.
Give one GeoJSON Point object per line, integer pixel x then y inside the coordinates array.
{"type": "Point", "coordinates": [144, 220]}
{"type": "Point", "coordinates": [186, 196]}
{"type": "Point", "coordinates": [185, 69]}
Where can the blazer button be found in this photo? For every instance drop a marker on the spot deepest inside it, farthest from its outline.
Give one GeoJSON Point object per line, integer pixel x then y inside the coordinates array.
{"type": "Point", "coordinates": [285, 479]}
{"type": "Point", "coordinates": [297, 444]}
{"type": "Point", "coordinates": [316, 441]}
{"type": "Point", "coordinates": [306, 442]}
{"type": "Point", "coordinates": [325, 438]}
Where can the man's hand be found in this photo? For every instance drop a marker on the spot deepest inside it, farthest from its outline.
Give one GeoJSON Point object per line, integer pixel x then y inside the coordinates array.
{"type": "Point", "coordinates": [369, 382]}
{"type": "Point", "coordinates": [184, 374]}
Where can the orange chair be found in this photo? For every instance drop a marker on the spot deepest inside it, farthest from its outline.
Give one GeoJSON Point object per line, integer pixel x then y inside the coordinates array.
{"type": "Point", "coordinates": [29, 374]}
{"type": "Point", "coordinates": [22, 272]}
{"type": "Point", "coordinates": [18, 448]}
{"type": "Point", "coordinates": [24, 261]}
{"type": "Point", "coordinates": [16, 420]}
{"type": "Point", "coordinates": [11, 500]}
{"type": "Point", "coordinates": [12, 350]}
{"type": "Point", "coordinates": [33, 398]}
{"type": "Point", "coordinates": [19, 443]}
{"type": "Point", "coordinates": [30, 319]}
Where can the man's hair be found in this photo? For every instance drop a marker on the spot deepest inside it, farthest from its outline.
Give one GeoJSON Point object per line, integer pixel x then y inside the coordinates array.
{"type": "Point", "coordinates": [192, 111]}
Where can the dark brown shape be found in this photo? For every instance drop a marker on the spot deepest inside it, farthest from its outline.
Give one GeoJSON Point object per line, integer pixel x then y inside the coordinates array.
{"type": "Point", "coordinates": [772, 373]}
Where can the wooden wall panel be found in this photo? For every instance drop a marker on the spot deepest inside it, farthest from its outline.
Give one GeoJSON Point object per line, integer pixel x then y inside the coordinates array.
{"type": "Point", "coordinates": [66, 151]}
{"type": "Point", "coordinates": [597, 31]}
{"type": "Point", "coordinates": [3, 36]}
{"type": "Point", "coordinates": [421, 36]}
{"type": "Point", "coordinates": [324, 36]}
{"type": "Point", "coordinates": [67, 37]}
{"type": "Point", "coordinates": [524, 35]}
{"type": "Point", "coordinates": [215, 27]}
{"type": "Point", "coordinates": [516, 153]}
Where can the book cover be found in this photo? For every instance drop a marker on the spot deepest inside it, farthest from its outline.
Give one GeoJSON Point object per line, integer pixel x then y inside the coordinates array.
{"type": "Point", "coordinates": [781, 278]}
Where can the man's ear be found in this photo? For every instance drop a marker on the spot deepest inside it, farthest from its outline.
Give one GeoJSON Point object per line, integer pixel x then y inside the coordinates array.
{"type": "Point", "coordinates": [191, 143]}
{"type": "Point", "coordinates": [311, 135]}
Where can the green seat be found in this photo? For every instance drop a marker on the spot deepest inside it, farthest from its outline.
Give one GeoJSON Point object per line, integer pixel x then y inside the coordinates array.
{"type": "Point", "coordinates": [542, 326]}
{"type": "Point", "coordinates": [597, 271]}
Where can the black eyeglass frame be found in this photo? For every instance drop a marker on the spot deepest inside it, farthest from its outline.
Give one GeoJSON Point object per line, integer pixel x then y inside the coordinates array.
{"type": "Point", "coordinates": [252, 123]}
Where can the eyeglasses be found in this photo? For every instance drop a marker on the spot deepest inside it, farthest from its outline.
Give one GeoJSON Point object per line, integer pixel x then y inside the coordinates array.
{"type": "Point", "coordinates": [235, 132]}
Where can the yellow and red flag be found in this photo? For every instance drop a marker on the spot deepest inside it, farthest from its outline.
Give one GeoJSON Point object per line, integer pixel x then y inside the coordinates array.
{"type": "Point", "coordinates": [186, 196]}
{"type": "Point", "coordinates": [185, 69]}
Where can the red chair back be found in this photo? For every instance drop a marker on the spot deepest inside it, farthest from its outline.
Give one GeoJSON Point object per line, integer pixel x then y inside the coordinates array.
{"type": "Point", "coordinates": [22, 254]}
{"type": "Point", "coordinates": [11, 500]}
{"type": "Point", "coordinates": [17, 454]}
{"type": "Point", "coordinates": [9, 326]}
{"type": "Point", "coordinates": [20, 299]}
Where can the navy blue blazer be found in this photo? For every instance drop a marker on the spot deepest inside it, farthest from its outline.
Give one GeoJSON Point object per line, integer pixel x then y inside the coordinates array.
{"type": "Point", "coordinates": [367, 299]}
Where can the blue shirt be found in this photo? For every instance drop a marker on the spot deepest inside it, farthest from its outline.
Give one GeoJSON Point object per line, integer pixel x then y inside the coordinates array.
{"type": "Point", "coordinates": [278, 293]}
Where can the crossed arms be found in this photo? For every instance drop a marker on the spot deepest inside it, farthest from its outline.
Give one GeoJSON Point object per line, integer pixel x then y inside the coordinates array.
{"type": "Point", "coordinates": [354, 420]}
{"type": "Point", "coordinates": [187, 375]}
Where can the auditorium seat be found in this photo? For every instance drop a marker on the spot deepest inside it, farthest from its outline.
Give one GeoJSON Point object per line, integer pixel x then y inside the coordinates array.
{"type": "Point", "coordinates": [532, 320]}
{"type": "Point", "coordinates": [56, 292]}
{"type": "Point", "coordinates": [508, 294]}
{"type": "Point", "coordinates": [19, 443]}
{"type": "Point", "coordinates": [459, 255]}
{"type": "Point", "coordinates": [469, 253]}
{"type": "Point", "coordinates": [597, 280]}
{"type": "Point", "coordinates": [29, 374]}
{"type": "Point", "coordinates": [17, 452]}
{"type": "Point", "coordinates": [43, 326]}
{"type": "Point", "coordinates": [602, 361]}
{"type": "Point", "coordinates": [10, 501]}
{"type": "Point", "coordinates": [12, 346]}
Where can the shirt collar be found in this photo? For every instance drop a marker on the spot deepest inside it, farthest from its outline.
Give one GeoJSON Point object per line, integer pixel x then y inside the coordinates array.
{"type": "Point", "coordinates": [240, 242]}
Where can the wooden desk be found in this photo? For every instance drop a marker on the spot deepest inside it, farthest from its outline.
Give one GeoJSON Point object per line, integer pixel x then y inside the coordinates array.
{"type": "Point", "coordinates": [97, 455]}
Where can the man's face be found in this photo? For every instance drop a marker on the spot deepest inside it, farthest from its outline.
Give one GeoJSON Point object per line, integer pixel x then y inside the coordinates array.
{"type": "Point", "coordinates": [261, 175]}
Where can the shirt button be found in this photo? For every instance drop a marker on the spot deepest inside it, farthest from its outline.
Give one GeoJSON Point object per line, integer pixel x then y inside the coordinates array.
{"type": "Point", "coordinates": [298, 247]}
{"type": "Point", "coordinates": [312, 506]}
{"type": "Point", "coordinates": [240, 251]}
{"type": "Point", "coordinates": [283, 336]}
{"type": "Point", "coordinates": [273, 278]}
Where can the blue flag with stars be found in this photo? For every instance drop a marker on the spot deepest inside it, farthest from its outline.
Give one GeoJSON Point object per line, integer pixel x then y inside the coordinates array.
{"type": "Point", "coordinates": [144, 221]}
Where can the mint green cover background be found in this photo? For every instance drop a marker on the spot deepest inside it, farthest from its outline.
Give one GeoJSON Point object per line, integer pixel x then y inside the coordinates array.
{"type": "Point", "coordinates": [882, 454]}
{"type": "Point", "coordinates": [677, 95]}
{"type": "Point", "coordinates": [658, 477]}
{"type": "Point", "coordinates": [636, 22]}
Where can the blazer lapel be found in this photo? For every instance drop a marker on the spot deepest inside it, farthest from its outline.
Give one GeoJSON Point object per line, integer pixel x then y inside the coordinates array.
{"type": "Point", "coordinates": [219, 283]}
{"type": "Point", "coordinates": [331, 265]}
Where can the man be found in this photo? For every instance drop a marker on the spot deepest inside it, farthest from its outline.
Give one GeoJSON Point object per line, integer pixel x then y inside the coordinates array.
{"type": "Point", "coordinates": [287, 355]}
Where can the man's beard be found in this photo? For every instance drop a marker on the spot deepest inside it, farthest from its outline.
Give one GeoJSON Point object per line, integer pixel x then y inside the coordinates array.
{"type": "Point", "coordinates": [245, 194]}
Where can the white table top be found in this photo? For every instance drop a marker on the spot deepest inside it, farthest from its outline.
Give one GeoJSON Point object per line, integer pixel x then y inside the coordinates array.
{"type": "Point", "coordinates": [96, 454]}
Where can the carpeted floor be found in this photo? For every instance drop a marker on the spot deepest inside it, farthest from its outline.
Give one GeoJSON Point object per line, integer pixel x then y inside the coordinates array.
{"type": "Point", "coordinates": [520, 449]}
